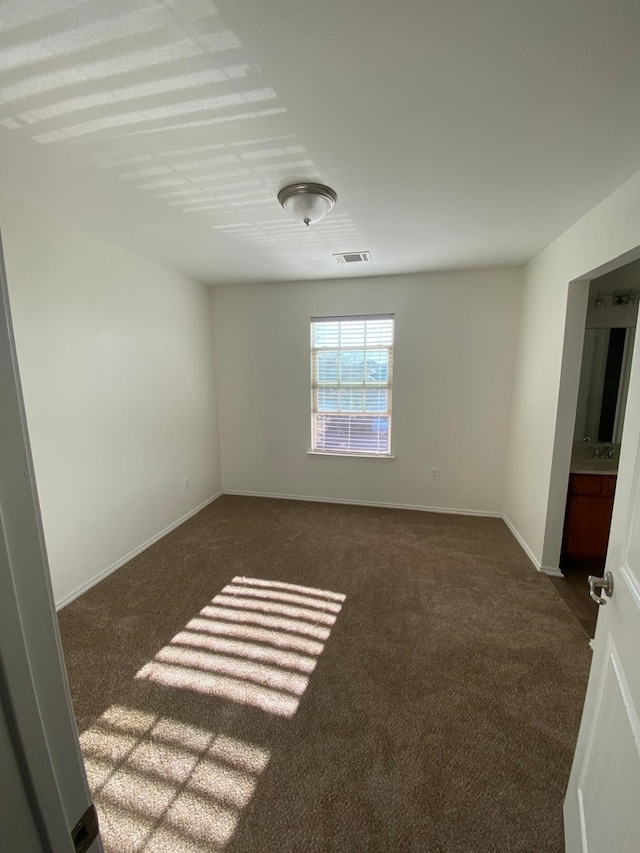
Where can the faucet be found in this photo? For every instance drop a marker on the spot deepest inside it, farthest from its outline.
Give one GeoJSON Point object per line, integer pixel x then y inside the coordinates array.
{"type": "Point", "coordinates": [603, 451]}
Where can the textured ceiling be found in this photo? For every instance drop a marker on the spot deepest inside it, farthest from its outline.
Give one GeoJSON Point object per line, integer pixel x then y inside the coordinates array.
{"type": "Point", "coordinates": [455, 133]}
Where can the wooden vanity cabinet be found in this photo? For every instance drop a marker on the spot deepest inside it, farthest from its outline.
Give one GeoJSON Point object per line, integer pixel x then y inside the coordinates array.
{"type": "Point", "coordinates": [588, 518]}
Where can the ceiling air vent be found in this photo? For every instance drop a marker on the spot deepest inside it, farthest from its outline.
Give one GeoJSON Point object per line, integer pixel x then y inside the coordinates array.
{"type": "Point", "coordinates": [352, 257]}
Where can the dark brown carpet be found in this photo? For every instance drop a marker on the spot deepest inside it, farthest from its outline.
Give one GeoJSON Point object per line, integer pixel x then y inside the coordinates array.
{"type": "Point", "coordinates": [435, 709]}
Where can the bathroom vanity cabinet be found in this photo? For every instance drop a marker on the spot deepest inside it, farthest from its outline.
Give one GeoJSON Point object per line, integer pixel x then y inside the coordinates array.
{"type": "Point", "coordinates": [588, 518]}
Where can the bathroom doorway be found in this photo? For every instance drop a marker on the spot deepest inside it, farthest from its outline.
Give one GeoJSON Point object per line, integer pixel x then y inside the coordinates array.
{"type": "Point", "coordinates": [607, 354]}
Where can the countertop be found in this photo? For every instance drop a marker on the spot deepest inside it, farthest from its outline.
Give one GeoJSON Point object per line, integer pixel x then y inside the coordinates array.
{"type": "Point", "coordinates": [583, 462]}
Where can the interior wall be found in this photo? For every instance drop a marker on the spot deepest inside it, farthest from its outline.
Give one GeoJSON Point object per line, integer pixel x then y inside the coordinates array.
{"type": "Point", "coordinates": [548, 366]}
{"type": "Point", "coordinates": [455, 338]}
{"type": "Point", "coordinates": [117, 367]}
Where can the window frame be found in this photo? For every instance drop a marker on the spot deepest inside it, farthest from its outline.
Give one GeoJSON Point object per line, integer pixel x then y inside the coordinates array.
{"type": "Point", "coordinates": [387, 385]}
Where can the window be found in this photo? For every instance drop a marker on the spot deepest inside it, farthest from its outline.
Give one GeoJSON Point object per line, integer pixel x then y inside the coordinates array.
{"type": "Point", "coordinates": [351, 367]}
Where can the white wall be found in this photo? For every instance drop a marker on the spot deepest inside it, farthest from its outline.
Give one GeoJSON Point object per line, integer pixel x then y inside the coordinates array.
{"type": "Point", "coordinates": [453, 369]}
{"type": "Point", "coordinates": [548, 365]}
{"type": "Point", "coordinates": [116, 360]}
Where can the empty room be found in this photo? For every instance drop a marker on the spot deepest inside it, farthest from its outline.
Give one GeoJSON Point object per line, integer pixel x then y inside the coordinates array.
{"type": "Point", "coordinates": [319, 429]}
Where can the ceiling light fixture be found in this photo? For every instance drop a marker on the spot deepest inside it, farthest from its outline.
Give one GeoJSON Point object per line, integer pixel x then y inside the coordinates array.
{"type": "Point", "coordinates": [306, 202]}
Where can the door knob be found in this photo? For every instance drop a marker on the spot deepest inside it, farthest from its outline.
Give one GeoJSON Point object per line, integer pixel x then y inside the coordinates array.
{"type": "Point", "coordinates": [604, 583]}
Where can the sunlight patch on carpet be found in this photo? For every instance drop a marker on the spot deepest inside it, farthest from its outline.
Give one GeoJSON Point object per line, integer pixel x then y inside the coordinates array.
{"type": "Point", "coordinates": [297, 627]}
{"type": "Point", "coordinates": [241, 646]}
{"type": "Point", "coordinates": [251, 651]}
{"type": "Point", "coordinates": [162, 785]}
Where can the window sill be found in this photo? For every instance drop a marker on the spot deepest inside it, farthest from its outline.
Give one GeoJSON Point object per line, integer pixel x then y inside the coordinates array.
{"type": "Point", "coordinates": [351, 455]}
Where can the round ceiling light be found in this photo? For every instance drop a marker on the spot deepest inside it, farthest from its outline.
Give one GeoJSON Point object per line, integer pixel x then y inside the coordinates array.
{"type": "Point", "coordinates": [307, 202]}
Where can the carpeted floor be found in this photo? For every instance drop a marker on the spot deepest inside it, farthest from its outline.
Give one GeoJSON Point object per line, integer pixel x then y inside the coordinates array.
{"type": "Point", "coordinates": [297, 677]}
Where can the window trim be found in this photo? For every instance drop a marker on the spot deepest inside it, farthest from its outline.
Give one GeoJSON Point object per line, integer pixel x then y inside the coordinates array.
{"type": "Point", "coordinates": [351, 455]}
{"type": "Point", "coordinates": [388, 387]}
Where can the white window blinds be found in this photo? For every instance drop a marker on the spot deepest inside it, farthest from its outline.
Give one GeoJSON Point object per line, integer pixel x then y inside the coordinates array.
{"type": "Point", "coordinates": [351, 371]}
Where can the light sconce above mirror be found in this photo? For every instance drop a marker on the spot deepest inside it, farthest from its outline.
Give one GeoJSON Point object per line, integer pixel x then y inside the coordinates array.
{"type": "Point", "coordinates": [617, 297]}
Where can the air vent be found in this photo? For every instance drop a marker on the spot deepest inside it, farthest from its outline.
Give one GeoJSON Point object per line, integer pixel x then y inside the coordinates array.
{"type": "Point", "coordinates": [352, 257]}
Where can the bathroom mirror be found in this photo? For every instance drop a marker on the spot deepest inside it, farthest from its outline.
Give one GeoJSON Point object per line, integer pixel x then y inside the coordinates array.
{"type": "Point", "coordinates": [604, 382]}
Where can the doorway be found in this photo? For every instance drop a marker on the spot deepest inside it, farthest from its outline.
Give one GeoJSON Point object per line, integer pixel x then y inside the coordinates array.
{"type": "Point", "coordinates": [607, 352]}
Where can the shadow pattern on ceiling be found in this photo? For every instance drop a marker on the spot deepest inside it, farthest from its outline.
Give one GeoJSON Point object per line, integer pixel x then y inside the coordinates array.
{"type": "Point", "coordinates": [163, 96]}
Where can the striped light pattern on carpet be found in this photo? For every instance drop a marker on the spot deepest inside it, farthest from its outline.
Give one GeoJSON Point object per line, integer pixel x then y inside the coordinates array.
{"type": "Point", "coordinates": [256, 644]}
{"type": "Point", "coordinates": [161, 785]}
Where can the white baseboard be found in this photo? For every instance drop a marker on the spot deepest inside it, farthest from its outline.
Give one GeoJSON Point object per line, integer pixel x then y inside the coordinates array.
{"type": "Point", "coordinates": [552, 571]}
{"type": "Point", "coordinates": [119, 563]}
{"type": "Point", "coordinates": [445, 510]}
{"type": "Point", "coordinates": [67, 599]}
{"type": "Point", "coordinates": [546, 570]}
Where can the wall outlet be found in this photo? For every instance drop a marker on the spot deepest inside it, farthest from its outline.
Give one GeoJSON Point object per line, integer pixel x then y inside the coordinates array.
{"type": "Point", "coordinates": [187, 484]}
{"type": "Point", "coordinates": [434, 473]}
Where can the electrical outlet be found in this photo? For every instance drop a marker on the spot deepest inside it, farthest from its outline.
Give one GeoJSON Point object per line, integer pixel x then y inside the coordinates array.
{"type": "Point", "coordinates": [434, 473]}
{"type": "Point", "coordinates": [187, 484]}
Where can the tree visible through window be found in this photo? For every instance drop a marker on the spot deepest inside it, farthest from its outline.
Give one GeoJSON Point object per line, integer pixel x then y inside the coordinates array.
{"type": "Point", "coordinates": [351, 367]}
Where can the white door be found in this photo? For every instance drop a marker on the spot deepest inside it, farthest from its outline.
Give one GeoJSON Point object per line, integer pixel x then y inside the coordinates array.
{"type": "Point", "coordinates": [39, 750]}
{"type": "Point", "coordinates": [602, 805]}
